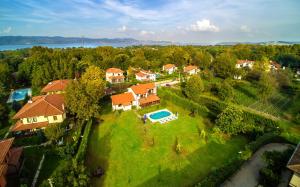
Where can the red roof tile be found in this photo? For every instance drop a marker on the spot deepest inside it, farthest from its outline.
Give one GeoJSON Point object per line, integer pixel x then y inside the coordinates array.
{"type": "Point", "coordinates": [140, 74]}
{"type": "Point", "coordinates": [124, 99]}
{"type": "Point", "coordinates": [57, 85]}
{"type": "Point", "coordinates": [189, 68]}
{"type": "Point", "coordinates": [46, 105]}
{"type": "Point", "coordinates": [149, 99]}
{"type": "Point", "coordinates": [114, 70]}
{"type": "Point", "coordinates": [169, 66]}
{"type": "Point", "coordinates": [142, 88]}
{"type": "Point", "coordinates": [5, 145]}
{"type": "Point", "coordinates": [19, 126]}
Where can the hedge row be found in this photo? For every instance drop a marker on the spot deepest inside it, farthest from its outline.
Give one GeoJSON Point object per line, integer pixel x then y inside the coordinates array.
{"type": "Point", "coordinates": [84, 142]}
{"type": "Point", "coordinates": [183, 102]}
{"type": "Point", "coordinates": [218, 176]}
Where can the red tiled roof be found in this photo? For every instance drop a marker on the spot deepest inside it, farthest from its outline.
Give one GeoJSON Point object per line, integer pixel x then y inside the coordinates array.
{"type": "Point", "coordinates": [19, 126]}
{"type": "Point", "coordinates": [142, 88]}
{"type": "Point", "coordinates": [57, 85]}
{"type": "Point", "coordinates": [5, 145]}
{"type": "Point", "coordinates": [245, 61]}
{"type": "Point", "coordinates": [3, 169]}
{"type": "Point", "coordinates": [275, 64]}
{"type": "Point", "coordinates": [117, 77]}
{"type": "Point", "coordinates": [114, 70]}
{"type": "Point", "coordinates": [124, 99]}
{"type": "Point", "coordinates": [169, 66]}
{"type": "Point", "coordinates": [46, 105]}
{"type": "Point", "coordinates": [149, 99]}
{"type": "Point", "coordinates": [140, 74]}
{"type": "Point", "coordinates": [15, 154]}
{"type": "Point", "coordinates": [189, 68]}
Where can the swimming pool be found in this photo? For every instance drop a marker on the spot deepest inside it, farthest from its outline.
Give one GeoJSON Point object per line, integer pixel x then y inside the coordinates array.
{"type": "Point", "coordinates": [160, 115]}
{"type": "Point", "coordinates": [19, 95]}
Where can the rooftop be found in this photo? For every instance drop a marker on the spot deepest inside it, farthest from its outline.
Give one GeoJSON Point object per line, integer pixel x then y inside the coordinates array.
{"type": "Point", "coordinates": [114, 70]}
{"type": "Point", "coordinates": [57, 85]}
{"type": "Point", "coordinates": [46, 105]}
{"type": "Point", "coordinates": [142, 88]}
{"type": "Point", "coordinates": [189, 68]}
{"type": "Point", "coordinates": [169, 66]}
{"type": "Point", "coordinates": [294, 162]}
{"type": "Point", "coordinates": [124, 99]}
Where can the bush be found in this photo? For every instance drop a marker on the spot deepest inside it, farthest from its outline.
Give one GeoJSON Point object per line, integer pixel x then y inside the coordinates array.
{"type": "Point", "coordinates": [268, 178]}
{"type": "Point", "coordinates": [183, 102]}
{"type": "Point", "coordinates": [80, 156]}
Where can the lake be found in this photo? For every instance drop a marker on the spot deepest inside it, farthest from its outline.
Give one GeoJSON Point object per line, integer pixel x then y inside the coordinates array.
{"type": "Point", "coordinates": [86, 45]}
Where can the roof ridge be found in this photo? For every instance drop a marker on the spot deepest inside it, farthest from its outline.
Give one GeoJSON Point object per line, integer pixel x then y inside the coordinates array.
{"type": "Point", "coordinates": [52, 104]}
{"type": "Point", "coordinates": [30, 105]}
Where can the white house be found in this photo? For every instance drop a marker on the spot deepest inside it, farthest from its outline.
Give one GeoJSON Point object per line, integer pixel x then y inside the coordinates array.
{"type": "Point", "coordinates": [169, 68]}
{"type": "Point", "coordinates": [39, 112]}
{"type": "Point", "coordinates": [140, 95]}
{"type": "Point", "coordinates": [123, 101]}
{"type": "Point", "coordinates": [145, 76]}
{"type": "Point", "coordinates": [191, 70]}
{"type": "Point", "coordinates": [114, 75]}
{"type": "Point", "coordinates": [244, 64]}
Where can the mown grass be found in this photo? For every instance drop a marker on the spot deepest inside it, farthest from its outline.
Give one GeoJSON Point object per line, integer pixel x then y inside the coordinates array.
{"type": "Point", "coordinates": [137, 154]}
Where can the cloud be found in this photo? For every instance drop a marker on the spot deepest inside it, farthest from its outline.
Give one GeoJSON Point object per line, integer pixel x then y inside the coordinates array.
{"type": "Point", "coordinates": [6, 30]}
{"type": "Point", "coordinates": [245, 28]}
{"type": "Point", "coordinates": [202, 26]}
{"type": "Point", "coordinates": [146, 33]}
{"type": "Point", "coordinates": [123, 28]}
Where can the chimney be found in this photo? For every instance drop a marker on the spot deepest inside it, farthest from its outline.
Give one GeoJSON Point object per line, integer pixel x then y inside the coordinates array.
{"type": "Point", "coordinates": [29, 101]}
{"type": "Point", "coordinates": [63, 106]}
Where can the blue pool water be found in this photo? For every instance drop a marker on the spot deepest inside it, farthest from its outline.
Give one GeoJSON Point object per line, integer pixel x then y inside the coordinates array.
{"type": "Point", "coordinates": [19, 95]}
{"type": "Point", "coordinates": [160, 115]}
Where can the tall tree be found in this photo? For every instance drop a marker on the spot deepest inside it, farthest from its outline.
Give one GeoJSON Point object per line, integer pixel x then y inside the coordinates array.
{"type": "Point", "coordinates": [224, 65]}
{"type": "Point", "coordinates": [194, 86]}
{"type": "Point", "coordinates": [83, 95]}
{"type": "Point", "coordinates": [267, 86]}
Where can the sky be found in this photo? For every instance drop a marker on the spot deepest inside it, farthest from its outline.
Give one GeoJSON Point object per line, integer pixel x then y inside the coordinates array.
{"type": "Point", "coordinates": [190, 21]}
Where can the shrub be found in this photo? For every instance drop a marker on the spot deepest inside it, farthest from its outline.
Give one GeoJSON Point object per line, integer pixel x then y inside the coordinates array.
{"type": "Point", "coordinates": [80, 156]}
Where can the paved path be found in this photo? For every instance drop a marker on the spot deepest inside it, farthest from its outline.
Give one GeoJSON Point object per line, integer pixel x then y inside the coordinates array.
{"type": "Point", "coordinates": [248, 174]}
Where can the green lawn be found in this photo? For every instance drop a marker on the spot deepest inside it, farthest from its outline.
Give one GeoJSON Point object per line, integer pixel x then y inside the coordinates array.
{"type": "Point", "coordinates": [137, 154]}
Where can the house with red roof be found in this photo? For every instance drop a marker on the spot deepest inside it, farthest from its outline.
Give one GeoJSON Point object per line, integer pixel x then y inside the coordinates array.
{"type": "Point", "coordinates": [274, 65]}
{"type": "Point", "coordinates": [144, 75]}
{"type": "Point", "coordinates": [123, 101]}
{"type": "Point", "coordinates": [56, 86]}
{"type": "Point", "coordinates": [191, 70]}
{"type": "Point", "coordinates": [10, 160]}
{"type": "Point", "coordinates": [39, 112]}
{"type": "Point", "coordinates": [114, 75]}
{"type": "Point", "coordinates": [169, 68]}
{"type": "Point", "coordinates": [244, 63]}
{"type": "Point", "coordinates": [140, 95]}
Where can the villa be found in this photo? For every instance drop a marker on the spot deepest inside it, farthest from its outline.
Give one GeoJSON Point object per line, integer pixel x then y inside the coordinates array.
{"type": "Point", "coordinates": [145, 76]}
{"type": "Point", "coordinates": [140, 95]}
{"type": "Point", "coordinates": [294, 166]}
{"type": "Point", "coordinates": [169, 68]}
{"type": "Point", "coordinates": [123, 101]}
{"type": "Point", "coordinates": [114, 75]}
{"type": "Point", "coordinates": [191, 70]}
{"type": "Point", "coordinates": [56, 87]}
{"type": "Point", "coordinates": [274, 65]}
{"type": "Point", "coordinates": [244, 63]}
{"type": "Point", "coordinates": [10, 160]}
{"type": "Point", "coordinates": [39, 112]}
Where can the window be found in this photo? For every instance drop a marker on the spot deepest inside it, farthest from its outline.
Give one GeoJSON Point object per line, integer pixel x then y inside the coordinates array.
{"type": "Point", "coordinates": [54, 118]}
{"type": "Point", "coordinates": [34, 119]}
{"type": "Point", "coordinates": [29, 120]}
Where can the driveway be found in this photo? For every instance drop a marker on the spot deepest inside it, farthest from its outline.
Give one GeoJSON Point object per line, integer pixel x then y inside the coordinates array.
{"type": "Point", "coordinates": [248, 174]}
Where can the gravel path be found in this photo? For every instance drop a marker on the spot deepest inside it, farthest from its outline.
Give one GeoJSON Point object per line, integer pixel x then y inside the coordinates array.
{"type": "Point", "coordinates": [248, 174]}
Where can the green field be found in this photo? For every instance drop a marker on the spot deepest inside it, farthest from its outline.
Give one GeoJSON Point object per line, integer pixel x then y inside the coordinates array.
{"type": "Point", "coordinates": [137, 154]}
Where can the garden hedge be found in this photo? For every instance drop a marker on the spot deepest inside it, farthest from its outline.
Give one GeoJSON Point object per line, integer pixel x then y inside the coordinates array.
{"type": "Point", "coordinates": [84, 142]}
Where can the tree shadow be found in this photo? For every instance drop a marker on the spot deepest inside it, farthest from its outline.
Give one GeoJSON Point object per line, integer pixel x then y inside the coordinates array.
{"type": "Point", "coordinates": [96, 145]}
